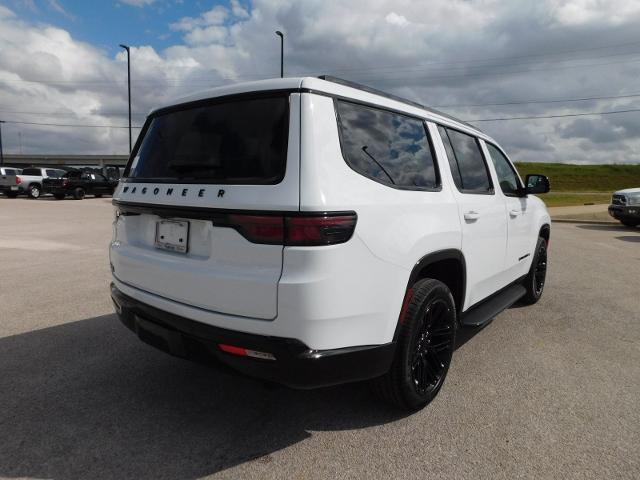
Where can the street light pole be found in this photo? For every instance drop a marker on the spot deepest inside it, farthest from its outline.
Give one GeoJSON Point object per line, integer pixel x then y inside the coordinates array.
{"type": "Point", "coordinates": [1, 152]}
{"type": "Point", "coordinates": [281, 35]}
{"type": "Point", "coordinates": [128, 88]}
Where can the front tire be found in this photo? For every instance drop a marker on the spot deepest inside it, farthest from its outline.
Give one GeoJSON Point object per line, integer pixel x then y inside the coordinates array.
{"type": "Point", "coordinates": [629, 223]}
{"type": "Point", "coordinates": [424, 348]}
{"type": "Point", "coordinates": [535, 280]}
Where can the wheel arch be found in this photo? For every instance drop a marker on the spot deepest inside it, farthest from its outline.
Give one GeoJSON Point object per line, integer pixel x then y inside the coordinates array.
{"type": "Point", "coordinates": [448, 266]}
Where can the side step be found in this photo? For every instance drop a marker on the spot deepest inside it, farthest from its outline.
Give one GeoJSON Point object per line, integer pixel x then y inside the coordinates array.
{"type": "Point", "coordinates": [483, 312]}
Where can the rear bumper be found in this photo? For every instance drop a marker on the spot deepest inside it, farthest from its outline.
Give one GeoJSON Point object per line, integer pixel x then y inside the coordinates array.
{"type": "Point", "coordinates": [619, 212]}
{"type": "Point", "coordinates": [9, 189]}
{"type": "Point", "coordinates": [295, 364]}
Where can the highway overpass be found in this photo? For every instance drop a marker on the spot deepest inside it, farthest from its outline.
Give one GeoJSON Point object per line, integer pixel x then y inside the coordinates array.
{"type": "Point", "coordinates": [22, 161]}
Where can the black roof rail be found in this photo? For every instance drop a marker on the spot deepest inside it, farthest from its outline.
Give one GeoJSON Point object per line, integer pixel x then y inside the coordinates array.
{"type": "Point", "coordinates": [390, 96]}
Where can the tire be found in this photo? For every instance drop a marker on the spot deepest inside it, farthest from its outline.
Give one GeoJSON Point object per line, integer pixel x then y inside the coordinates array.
{"type": "Point", "coordinates": [58, 196]}
{"type": "Point", "coordinates": [11, 195]}
{"type": "Point", "coordinates": [535, 280]}
{"type": "Point", "coordinates": [424, 348]}
{"type": "Point", "coordinates": [629, 223]}
{"type": "Point", "coordinates": [34, 191]}
{"type": "Point", "coordinates": [78, 193]}
{"type": "Point", "coordinates": [98, 195]}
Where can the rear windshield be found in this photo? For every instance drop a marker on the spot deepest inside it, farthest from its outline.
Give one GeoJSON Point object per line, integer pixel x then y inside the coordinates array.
{"type": "Point", "coordinates": [241, 141]}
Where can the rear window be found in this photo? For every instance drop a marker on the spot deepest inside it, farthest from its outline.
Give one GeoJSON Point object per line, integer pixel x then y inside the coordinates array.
{"type": "Point", "coordinates": [55, 173]}
{"type": "Point", "coordinates": [243, 141]}
{"type": "Point", "coordinates": [9, 171]}
{"type": "Point", "coordinates": [32, 171]}
{"type": "Point", "coordinates": [387, 147]}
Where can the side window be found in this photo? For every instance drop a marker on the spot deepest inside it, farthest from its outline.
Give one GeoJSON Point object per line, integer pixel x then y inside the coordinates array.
{"type": "Point", "coordinates": [507, 177]}
{"type": "Point", "coordinates": [53, 173]}
{"type": "Point", "coordinates": [473, 175]}
{"type": "Point", "coordinates": [387, 147]}
{"type": "Point", "coordinates": [453, 164]}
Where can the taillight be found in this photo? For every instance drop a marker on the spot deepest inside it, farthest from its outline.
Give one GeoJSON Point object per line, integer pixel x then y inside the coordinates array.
{"type": "Point", "coordinates": [319, 230]}
{"type": "Point", "coordinates": [18, 180]}
{"type": "Point", "coordinates": [65, 182]}
{"type": "Point", "coordinates": [294, 230]}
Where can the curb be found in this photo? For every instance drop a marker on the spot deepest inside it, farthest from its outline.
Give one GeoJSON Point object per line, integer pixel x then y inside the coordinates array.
{"type": "Point", "coordinates": [577, 220]}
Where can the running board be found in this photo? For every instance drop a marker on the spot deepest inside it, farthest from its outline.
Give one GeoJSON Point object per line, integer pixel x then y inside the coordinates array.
{"type": "Point", "coordinates": [485, 311]}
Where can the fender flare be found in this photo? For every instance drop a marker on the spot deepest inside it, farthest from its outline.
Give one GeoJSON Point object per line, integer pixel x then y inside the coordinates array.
{"type": "Point", "coordinates": [430, 259]}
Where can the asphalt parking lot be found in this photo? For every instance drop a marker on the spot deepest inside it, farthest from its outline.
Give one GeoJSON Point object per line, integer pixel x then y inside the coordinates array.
{"type": "Point", "coordinates": [549, 391]}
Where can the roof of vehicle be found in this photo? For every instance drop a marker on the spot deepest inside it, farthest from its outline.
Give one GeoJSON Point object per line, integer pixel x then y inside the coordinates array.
{"type": "Point", "coordinates": [331, 86]}
{"type": "Point", "coordinates": [629, 190]}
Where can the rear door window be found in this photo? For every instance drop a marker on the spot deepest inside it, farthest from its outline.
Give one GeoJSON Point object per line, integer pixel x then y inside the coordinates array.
{"type": "Point", "coordinates": [32, 171]}
{"type": "Point", "coordinates": [241, 141]}
{"type": "Point", "coordinates": [387, 147]}
{"type": "Point", "coordinates": [470, 172]}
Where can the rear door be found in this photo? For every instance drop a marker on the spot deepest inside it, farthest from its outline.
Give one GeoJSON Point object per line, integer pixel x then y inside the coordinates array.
{"type": "Point", "coordinates": [482, 215]}
{"type": "Point", "coordinates": [199, 170]}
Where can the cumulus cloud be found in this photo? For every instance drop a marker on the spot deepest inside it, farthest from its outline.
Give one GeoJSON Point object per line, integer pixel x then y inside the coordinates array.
{"type": "Point", "coordinates": [452, 53]}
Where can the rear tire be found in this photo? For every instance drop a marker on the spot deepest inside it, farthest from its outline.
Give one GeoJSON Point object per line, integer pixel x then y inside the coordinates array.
{"type": "Point", "coordinates": [78, 193]}
{"type": "Point", "coordinates": [34, 191]}
{"type": "Point", "coordinates": [535, 280]}
{"type": "Point", "coordinates": [424, 348]}
{"type": "Point", "coordinates": [629, 223]}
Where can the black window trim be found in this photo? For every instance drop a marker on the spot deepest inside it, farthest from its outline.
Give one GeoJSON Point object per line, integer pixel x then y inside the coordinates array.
{"type": "Point", "coordinates": [513, 168]}
{"type": "Point", "coordinates": [201, 103]}
{"type": "Point", "coordinates": [492, 189]}
{"type": "Point", "coordinates": [437, 188]}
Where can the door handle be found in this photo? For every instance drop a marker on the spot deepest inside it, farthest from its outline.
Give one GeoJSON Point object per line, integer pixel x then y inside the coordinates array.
{"type": "Point", "coordinates": [471, 215]}
{"type": "Point", "coordinates": [514, 212]}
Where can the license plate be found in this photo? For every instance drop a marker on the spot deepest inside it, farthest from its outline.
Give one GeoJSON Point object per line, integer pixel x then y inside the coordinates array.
{"type": "Point", "coordinates": [14, 187]}
{"type": "Point", "coordinates": [172, 235]}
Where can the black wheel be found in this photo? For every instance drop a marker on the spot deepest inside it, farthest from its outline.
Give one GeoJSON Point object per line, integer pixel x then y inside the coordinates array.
{"type": "Point", "coordinates": [537, 276]}
{"type": "Point", "coordinates": [98, 195]}
{"type": "Point", "coordinates": [424, 348]}
{"type": "Point", "coordinates": [629, 223]}
{"type": "Point", "coordinates": [78, 193]}
{"type": "Point", "coordinates": [58, 196]}
{"type": "Point", "coordinates": [34, 191]}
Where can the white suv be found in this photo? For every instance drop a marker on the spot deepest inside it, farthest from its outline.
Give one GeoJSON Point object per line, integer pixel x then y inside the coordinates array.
{"type": "Point", "coordinates": [311, 231]}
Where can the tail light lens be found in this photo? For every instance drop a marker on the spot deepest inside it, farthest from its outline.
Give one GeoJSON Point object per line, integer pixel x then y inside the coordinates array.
{"type": "Point", "coordinates": [298, 230]}
{"type": "Point", "coordinates": [65, 182]}
{"type": "Point", "coordinates": [18, 180]}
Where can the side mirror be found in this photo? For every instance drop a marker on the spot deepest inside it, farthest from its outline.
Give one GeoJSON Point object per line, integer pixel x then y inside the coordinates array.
{"type": "Point", "coordinates": [537, 184]}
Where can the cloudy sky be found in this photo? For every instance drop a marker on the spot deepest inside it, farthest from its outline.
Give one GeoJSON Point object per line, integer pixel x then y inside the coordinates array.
{"type": "Point", "coordinates": [476, 59]}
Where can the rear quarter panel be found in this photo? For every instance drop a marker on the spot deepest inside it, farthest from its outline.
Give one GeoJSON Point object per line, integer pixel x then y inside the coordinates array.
{"type": "Point", "coordinates": [395, 227]}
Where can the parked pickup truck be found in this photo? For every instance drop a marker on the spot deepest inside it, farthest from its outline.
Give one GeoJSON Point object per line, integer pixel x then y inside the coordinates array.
{"type": "Point", "coordinates": [78, 183]}
{"type": "Point", "coordinates": [28, 182]}
{"type": "Point", "coordinates": [625, 206]}
{"type": "Point", "coordinates": [9, 181]}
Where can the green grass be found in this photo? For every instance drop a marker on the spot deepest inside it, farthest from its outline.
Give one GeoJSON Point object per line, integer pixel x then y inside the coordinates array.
{"type": "Point", "coordinates": [569, 199]}
{"type": "Point", "coordinates": [585, 178]}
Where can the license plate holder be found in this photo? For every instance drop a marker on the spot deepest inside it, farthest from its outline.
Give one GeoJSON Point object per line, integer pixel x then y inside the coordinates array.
{"type": "Point", "coordinates": [172, 235]}
{"type": "Point", "coordinates": [14, 187]}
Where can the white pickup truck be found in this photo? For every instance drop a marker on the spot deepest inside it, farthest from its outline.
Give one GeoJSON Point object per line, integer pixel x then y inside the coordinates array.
{"type": "Point", "coordinates": [28, 182]}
